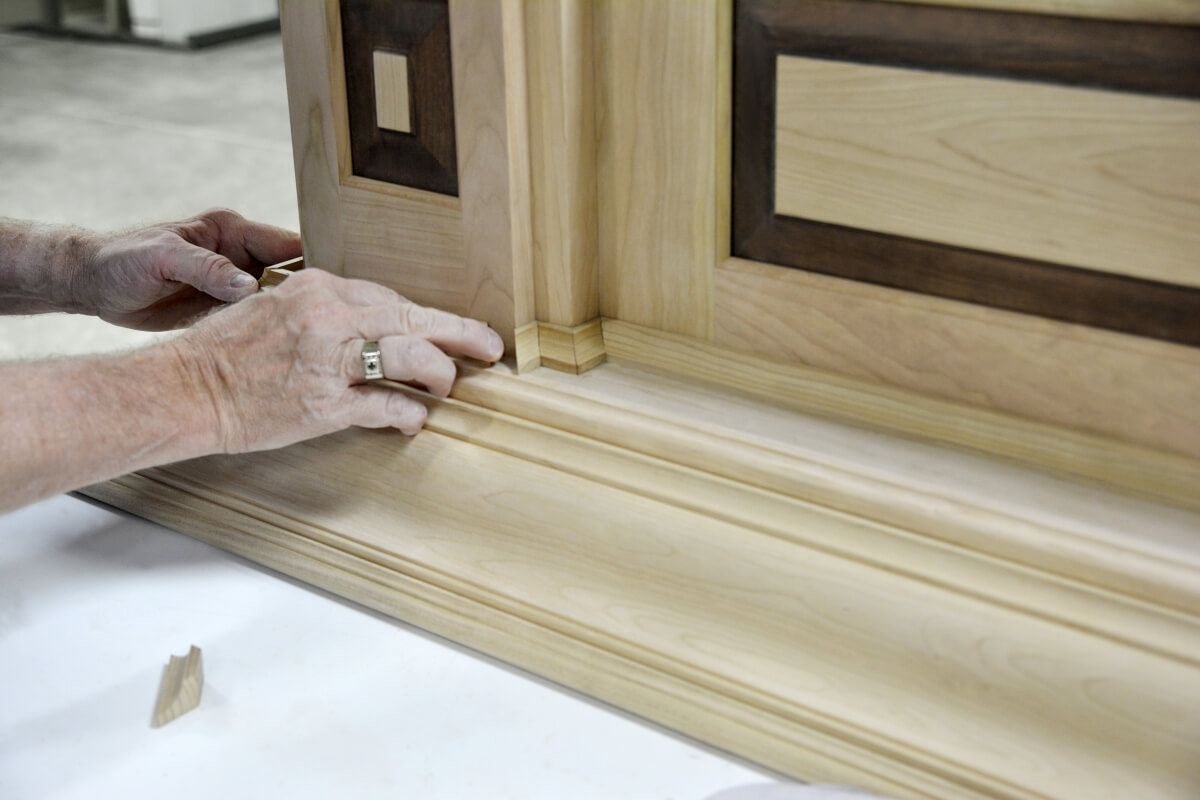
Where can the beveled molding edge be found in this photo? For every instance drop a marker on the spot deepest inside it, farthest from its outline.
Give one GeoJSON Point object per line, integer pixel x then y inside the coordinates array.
{"type": "Point", "coordinates": [1129, 467]}
{"type": "Point", "coordinates": [1087, 603]}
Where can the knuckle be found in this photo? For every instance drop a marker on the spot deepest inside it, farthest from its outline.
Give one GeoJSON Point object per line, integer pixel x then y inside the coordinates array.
{"type": "Point", "coordinates": [212, 265]}
{"type": "Point", "coordinates": [405, 414]}
{"type": "Point", "coordinates": [220, 214]}
{"type": "Point", "coordinates": [417, 319]}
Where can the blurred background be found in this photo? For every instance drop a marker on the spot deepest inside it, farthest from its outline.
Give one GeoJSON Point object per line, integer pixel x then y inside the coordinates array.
{"type": "Point", "coordinates": [119, 113]}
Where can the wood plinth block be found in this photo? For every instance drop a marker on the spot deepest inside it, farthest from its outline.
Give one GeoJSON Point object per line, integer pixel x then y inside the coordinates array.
{"type": "Point", "coordinates": [576, 349]}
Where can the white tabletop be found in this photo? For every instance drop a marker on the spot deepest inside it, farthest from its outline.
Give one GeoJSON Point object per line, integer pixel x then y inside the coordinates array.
{"type": "Point", "coordinates": [304, 696]}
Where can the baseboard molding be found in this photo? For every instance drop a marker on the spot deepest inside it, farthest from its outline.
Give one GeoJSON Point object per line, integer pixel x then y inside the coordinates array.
{"type": "Point", "coordinates": [897, 628]}
{"type": "Point", "coordinates": [1166, 477]}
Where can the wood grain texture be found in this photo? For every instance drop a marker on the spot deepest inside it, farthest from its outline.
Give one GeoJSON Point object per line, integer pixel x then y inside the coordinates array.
{"type": "Point", "coordinates": [1176, 12]}
{"type": "Point", "coordinates": [418, 29]}
{"type": "Point", "coordinates": [491, 116]}
{"type": "Point", "coordinates": [1101, 180]}
{"type": "Point", "coordinates": [182, 683]}
{"type": "Point", "coordinates": [576, 349]}
{"type": "Point", "coordinates": [313, 64]}
{"type": "Point", "coordinates": [1154, 59]}
{"type": "Point", "coordinates": [407, 239]}
{"type": "Point", "coordinates": [1119, 386]}
{"type": "Point", "coordinates": [662, 137]}
{"type": "Point", "coordinates": [390, 71]}
{"type": "Point", "coordinates": [822, 643]}
{"type": "Point", "coordinates": [528, 354]}
{"type": "Point", "coordinates": [562, 147]}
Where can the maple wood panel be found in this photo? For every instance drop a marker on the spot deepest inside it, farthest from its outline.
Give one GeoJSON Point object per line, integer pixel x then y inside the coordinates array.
{"type": "Point", "coordinates": [391, 91]}
{"type": "Point", "coordinates": [1104, 180]}
{"type": "Point", "coordinates": [1158, 61]}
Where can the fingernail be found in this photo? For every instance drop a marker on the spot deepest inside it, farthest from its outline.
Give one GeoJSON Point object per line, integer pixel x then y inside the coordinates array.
{"type": "Point", "coordinates": [242, 281]}
{"type": "Point", "coordinates": [496, 344]}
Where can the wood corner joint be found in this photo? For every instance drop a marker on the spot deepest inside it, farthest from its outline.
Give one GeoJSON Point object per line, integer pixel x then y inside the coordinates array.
{"type": "Point", "coordinates": [575, 349]}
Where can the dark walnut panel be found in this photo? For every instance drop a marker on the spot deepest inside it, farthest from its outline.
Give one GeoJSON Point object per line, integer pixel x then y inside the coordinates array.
{"type": "Point", "coordinates": [1142, 58]}
{"type": "Point", "coordinates": [426, 158]}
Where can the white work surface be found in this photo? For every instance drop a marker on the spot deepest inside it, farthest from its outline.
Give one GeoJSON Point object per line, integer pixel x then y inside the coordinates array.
{"type": "Point", "coordinates": [304, 695]}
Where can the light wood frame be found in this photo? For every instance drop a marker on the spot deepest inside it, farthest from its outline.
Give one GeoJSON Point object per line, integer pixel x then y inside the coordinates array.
{"type": "Point", "coordinates": [834, 602]}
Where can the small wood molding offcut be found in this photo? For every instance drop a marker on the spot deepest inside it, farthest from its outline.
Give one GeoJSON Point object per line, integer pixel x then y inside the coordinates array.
{"type": "Point", "coordinates": [1147, 58]}
{"type": "Point", "coordinates": [183, 680]}
{"type": "Point", "coordinates": [891, 628]}
{"type": "Point", "coordinates": [571, 349]}
{"type": "Point", "coordinates": [418, 30]}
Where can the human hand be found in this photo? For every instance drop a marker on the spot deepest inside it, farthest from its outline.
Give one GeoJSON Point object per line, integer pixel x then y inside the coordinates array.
{"type": "Point", "coordinates": [165, 276]}
{"type": "Point", "coordinates": [286, 364]}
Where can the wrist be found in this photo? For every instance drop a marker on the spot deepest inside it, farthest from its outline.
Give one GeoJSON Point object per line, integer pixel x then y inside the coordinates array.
{"type": "Point", "coordinates": [41, 267]}
{"type": "Point", "coordinates": [189, 405]}
{"type": "Point", "coordinates": [73, 265]}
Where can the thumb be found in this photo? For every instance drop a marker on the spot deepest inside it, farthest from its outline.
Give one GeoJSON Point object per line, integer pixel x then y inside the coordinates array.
{"type": "Point", "coordinates": [209, 272]}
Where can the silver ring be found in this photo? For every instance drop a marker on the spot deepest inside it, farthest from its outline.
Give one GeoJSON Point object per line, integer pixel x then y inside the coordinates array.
{"type": "Point", "coordinates": [372, 361]}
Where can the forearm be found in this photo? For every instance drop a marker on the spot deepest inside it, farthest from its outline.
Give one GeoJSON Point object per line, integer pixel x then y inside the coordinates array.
{"type": "Point", "coordinates": [38, 265]}
{"type": "Point", "coordinates": [71, 422]}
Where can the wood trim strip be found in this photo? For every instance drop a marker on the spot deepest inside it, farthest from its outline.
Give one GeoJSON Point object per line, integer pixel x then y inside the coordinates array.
{"type": "Point", "coordinates": [419, 29]}
{"type": "Point", "coordinates": [756, 621]}
{"type": "Point", "coordinates": [1151, 58]}
{"type": "Point", "coordinates": [1166, 477]}
{"type": "Point", "coordinates": [1142, 57]}
{"type": "Point", "coordinates": [1098, 299]}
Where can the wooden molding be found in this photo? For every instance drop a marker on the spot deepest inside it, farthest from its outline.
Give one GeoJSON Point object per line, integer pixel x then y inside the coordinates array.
{"type": "Point", "coordinates": [576, 349]}
{"type": "Point", "coordinates": [1122, 387]}
{"type": "Point", "coordinates": [1156, 59]}
{"type": "Point", "coordinates": [182, 683]}
{"type": "Point", "coordinates": [1162, 475]}
{"type": "Point", "coordinates": [1177, 12]}
{"type": "Point", "coordinates": [419, 30]}
{"type": "Point", "coordinates": [528, 354]}
{"type": "Point", "coordinates": [837, 606]}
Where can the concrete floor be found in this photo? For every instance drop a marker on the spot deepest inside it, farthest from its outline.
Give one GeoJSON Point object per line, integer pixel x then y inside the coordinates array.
{"type": "Point", "coordinates": [110, 136]}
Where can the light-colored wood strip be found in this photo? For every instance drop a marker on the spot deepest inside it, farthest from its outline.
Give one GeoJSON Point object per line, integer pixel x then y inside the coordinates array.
{"type": "Point", "coordinates": [491, 119]}
{"type": "Point", "coordinates": [1179, 12]}
{"type": "Point", "coordinates": [1123, 387]}
{"type": "Point", "coordinates": [390, 73]}
{"type": "Point", "coordinates": [1150, 472]}
{"type": "Point", "coordinates": [528, 354]}
{"type": "Point", "coordinates": [316, 87]}
{"type": "Point", "coordinates": [576, 349]}
{"type": "Point", "coordinates": [182, 683]}
{"type": "Point", "coordinates": [562, 146]}
{"type": "Point", "coordinates": [789, 635]}
{"type": "Point", "coordinates": [409, 240]}
{"type": "Point", "coordinates": [1103, 180]}
{"type": "Point", "coordinates": [661, 141]}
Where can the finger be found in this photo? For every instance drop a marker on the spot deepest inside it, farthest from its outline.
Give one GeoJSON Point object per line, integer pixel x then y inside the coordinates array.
{"type": "Point", "coordinates": [267, 244]}
{"type": "Point", "coordinates": [448, 331]}
{"type": "Point", "coordinates": [409, 359]}
{"type": "Point", "coordinates": [250, 245]}
{"type": "Point", "coordinates": [211, 273]}
{"type": "Point", "coordinates": [371, 407]}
